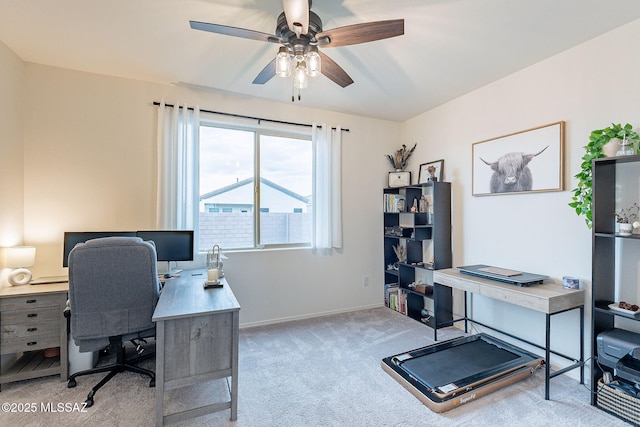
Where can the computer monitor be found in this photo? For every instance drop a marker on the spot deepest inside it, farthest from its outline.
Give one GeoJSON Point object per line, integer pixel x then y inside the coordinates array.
{"type": "Point", "coordinates": [72, 238]}
{"type": "Point", "coordinates": [171, 245]}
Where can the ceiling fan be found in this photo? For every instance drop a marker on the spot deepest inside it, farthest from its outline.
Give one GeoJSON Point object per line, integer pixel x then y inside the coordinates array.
{"type": "Point", "coordinates": [299, 32]}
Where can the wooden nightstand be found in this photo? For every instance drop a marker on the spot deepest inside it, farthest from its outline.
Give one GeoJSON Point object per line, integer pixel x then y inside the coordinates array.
{"type": "Point", "coordinates": [32, 320]}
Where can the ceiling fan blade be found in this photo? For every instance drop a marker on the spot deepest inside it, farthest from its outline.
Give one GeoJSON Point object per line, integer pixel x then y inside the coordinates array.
{"type": "Point", "coordinates": [334, 72]}
{"type": "Point", "coordinates": [297, 14]}
{"type": "Point", "coordinates": [235, 32]}
{"type": "Point", "coordinates": [266, 74]}
{"type": "Point", "coordinates": [361, 33]}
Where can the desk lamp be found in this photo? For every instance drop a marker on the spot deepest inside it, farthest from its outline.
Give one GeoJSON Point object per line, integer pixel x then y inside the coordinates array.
{"type": "Point", "coordinates": [18, 258]}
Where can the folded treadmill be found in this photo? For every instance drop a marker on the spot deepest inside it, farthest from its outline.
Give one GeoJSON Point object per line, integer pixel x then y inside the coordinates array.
{"type": "Point", "coordinates": [449, 374]}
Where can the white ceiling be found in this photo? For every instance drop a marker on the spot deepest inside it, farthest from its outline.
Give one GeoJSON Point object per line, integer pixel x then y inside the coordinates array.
{"type": "Point", "coordinates": [450, 47]}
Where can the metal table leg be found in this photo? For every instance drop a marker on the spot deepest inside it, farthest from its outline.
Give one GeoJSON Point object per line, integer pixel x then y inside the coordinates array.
{"type": "Point", "coordinates": [547, 364]}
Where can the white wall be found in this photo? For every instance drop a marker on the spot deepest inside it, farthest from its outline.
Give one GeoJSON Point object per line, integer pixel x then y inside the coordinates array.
{"type": "Point", "coordinates": [588, 87]}
{"type": "Point", "coordinates": [89, 146]}
{"type": "Point", "coordinates": [11, 154]}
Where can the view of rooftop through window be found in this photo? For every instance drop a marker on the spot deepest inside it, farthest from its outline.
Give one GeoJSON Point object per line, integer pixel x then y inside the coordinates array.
{"type": "Point", "coordinates": [229, 215]}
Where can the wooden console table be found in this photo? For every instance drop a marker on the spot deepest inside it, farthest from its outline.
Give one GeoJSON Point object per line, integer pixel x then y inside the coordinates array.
{"type": "Point", "coordinates": [546, 298]}
{"type": "Point", "coordinates": [197, 333]}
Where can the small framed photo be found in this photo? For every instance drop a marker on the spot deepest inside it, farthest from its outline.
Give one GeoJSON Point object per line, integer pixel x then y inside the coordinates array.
{"type": "Point", "coordinates": [399, 179]}
{"type": "Point", "coordinates": [430, 172]}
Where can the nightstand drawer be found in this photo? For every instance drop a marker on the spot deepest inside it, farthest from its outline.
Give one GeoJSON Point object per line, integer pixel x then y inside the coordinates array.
{"type": "Point", "coordinates": [35, 315]}
{"type": "Point", "coordinates": [25, 330]}
{"type": "Point", "coordinates": [30, 343]}
{"type": "Point", "coordinates": [28, 302]}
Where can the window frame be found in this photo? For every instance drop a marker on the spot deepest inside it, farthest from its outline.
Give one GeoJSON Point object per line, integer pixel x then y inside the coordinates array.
{"type": "Point", "coordinates": [257, 132]}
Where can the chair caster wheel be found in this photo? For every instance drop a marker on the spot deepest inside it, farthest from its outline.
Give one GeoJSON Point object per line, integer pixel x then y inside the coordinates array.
{"type": "Point", "coordinates": [89, 401]}
{"type": "Point", "coordinates": [71, 384]}
{"type": "Point", "coordinates": [152, 383]}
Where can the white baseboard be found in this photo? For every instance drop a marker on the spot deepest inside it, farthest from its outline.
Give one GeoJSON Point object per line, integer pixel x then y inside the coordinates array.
{"type": "Point", "coordinates": [307, 316]}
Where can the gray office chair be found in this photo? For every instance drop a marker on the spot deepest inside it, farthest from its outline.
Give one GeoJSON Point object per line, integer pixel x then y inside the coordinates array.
{"type": "Point", "coordinates": [113, 291]}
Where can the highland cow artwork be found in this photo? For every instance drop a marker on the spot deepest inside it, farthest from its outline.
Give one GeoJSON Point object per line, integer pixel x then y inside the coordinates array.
{"type": "Point", "coordinates": [527, 161]}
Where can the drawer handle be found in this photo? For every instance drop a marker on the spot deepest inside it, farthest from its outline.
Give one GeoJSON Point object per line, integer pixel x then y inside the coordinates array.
{"type": "Point", "coordinates": [32, 343]}
{"type": "Point", "coordinates": [31, 301]}
{"type": "Point", "coordinates": [32, 329]}
{"type": "Point", "coordinates": [32, 315]}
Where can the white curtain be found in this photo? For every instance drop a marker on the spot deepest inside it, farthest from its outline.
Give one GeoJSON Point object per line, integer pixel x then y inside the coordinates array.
{"type": "Point", "coordinates": [327, 184]}
{"type": "Point", "coordinates": [177, 187]}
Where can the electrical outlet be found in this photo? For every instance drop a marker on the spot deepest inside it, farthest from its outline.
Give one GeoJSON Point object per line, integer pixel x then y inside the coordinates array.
{"type": "Point", "coordinates": [365, 281]}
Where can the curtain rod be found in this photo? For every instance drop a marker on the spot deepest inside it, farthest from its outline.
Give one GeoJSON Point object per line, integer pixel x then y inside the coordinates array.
{"type": "Point", "coordinates": [259, 119]}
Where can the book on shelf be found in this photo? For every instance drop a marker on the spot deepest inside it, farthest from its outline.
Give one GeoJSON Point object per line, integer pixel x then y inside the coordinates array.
{"type": "Point", "coordinates": [389, 289]}
{"type": "Point", "coordinates": [394, 203]}
{"type": "Point", "coordinates": [395, 298]}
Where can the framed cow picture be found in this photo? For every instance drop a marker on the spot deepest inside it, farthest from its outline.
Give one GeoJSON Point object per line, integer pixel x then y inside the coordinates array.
{"type": "Point", "coordinates": [521, 162]}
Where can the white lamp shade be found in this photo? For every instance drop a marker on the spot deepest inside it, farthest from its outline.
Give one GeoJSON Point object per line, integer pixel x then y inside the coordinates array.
{"type": "Point", "coordinates": [21, 256]}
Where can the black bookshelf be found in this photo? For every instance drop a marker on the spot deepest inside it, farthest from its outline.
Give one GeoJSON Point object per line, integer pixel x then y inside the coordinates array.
{"type": "Point", "coordinates": [426, 235]}
{"type": "Point", "coordinates": [607, 245]}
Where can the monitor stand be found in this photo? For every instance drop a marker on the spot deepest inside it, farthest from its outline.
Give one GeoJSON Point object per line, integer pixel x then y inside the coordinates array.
{"type": "Point", "coordinates": [170, 273]}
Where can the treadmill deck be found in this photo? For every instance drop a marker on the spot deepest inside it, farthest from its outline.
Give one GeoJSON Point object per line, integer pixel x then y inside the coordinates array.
{"type": "Point", "coordinates": [448, 374]}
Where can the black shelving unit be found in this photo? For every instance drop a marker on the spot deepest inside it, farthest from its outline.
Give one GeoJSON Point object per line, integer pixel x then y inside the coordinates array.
{"type": "Point", "coordinates": [606, 244]}
{"type": "Point", "coordinates": [425, 235]}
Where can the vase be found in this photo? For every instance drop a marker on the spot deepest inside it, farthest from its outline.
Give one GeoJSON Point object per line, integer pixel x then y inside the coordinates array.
{"type": "Point", "coordinates": [610, 148]}
{"type": "Point", "coordinates": [625, 229]}
{"type": "Point", "coordinates": [625, 148]}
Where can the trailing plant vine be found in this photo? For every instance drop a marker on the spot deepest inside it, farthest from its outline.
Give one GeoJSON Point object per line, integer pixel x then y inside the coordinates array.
{"type": "Point", "coordinates": [582, 194]}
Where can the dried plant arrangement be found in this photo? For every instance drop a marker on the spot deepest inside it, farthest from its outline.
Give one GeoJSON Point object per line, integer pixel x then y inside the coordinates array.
{"type": "Point", "coordinates": [401, 253]}
{"type": "Point", "coordinates": [400, 158]}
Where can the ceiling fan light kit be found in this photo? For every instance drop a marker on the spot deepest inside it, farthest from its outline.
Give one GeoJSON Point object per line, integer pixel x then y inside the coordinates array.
{"type": "Point", "coordinates": [299, 32]}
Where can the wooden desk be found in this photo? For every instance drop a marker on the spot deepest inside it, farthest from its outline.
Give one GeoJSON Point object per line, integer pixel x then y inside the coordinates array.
{"type": "Point", "coordinates": [546, 298]}
{"type": "Point", "coordinates": [32, 320]}
{"type": "Point", "coordinates": [196, 341]}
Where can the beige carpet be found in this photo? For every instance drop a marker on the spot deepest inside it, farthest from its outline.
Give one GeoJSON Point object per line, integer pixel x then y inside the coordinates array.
{"type": "Point", "coordinates": [316, 372]}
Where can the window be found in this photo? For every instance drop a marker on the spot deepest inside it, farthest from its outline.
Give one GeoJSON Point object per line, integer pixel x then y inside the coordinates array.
{"type": "Point", "coordinates": [276, 211]}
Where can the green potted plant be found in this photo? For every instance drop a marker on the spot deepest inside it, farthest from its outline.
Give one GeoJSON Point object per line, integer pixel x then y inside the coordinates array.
{"type": "Point", "coordinates": [581, 200]}
{"type": "Point", "coordinates": [626, 218]}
